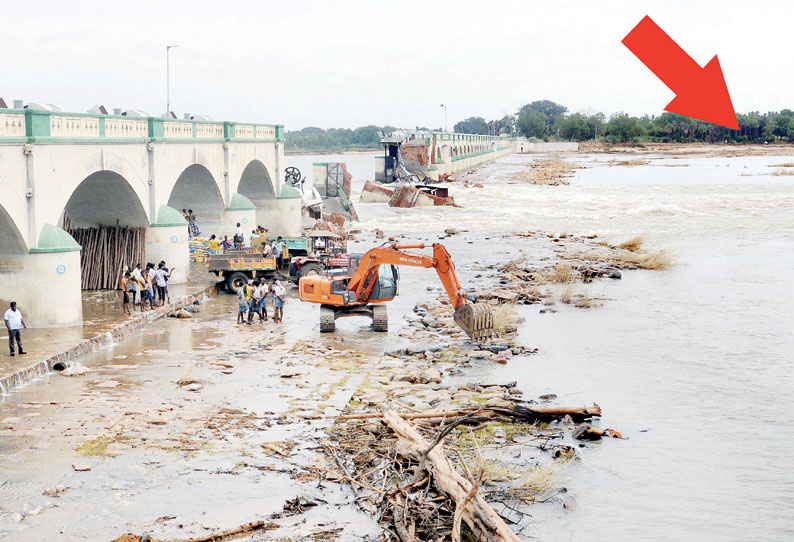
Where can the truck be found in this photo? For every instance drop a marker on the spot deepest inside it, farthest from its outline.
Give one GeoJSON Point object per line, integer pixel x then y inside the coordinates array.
{"type": "Point", "coordinates": [236, 267]}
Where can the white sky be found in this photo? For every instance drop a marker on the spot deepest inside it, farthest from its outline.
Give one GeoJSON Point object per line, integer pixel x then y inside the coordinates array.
{"type": "Point", "coordinates": [353, 62]}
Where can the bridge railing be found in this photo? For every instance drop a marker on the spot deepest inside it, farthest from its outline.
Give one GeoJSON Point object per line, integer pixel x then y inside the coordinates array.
{"type": "Point", "coordinates": [33, 125]}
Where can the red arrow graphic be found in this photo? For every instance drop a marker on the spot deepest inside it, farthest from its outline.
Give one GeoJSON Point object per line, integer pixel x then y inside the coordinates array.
{"type": "Point", "coordinates": [700, 92]}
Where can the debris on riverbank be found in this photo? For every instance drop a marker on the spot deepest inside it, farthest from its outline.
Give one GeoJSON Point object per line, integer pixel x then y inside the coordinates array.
{"type": "Point", "coordinates": [547, 172]}
{"type": "Point", "coordinates": [578, 260]}
{"type": "Point", "coordinates": [465, 468]}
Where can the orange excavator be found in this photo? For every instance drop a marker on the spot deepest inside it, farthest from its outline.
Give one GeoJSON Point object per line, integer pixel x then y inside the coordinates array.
{"type": "Point", "coordinates": [372, 280]}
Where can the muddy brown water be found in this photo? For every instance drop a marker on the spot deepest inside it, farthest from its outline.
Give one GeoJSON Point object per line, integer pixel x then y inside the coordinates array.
{"type": "Point", "coordinates": [693, 365]}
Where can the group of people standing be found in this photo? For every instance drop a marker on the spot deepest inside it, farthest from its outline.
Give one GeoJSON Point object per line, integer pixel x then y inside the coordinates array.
{"type": "Point", "coordinates": [252, 298]}
{"type": "Point", "coordinates": [140, 285]}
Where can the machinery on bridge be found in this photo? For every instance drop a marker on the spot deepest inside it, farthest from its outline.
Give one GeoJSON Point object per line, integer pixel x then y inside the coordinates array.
{"type": "Point", "coordinates": [372, 280]}
{"type": "Point", "coordinates": [292, 176]}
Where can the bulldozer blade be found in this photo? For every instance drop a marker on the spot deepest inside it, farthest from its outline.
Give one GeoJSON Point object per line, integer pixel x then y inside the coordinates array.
{"type": "Point", "coordinates": [476, 320]}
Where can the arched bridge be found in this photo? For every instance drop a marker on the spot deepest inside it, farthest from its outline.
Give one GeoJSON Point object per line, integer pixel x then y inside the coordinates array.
{"type": "Point", "coordinates": [131, 171]}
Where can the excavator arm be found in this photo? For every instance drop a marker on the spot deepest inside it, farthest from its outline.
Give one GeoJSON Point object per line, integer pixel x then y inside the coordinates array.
{"type": "Point", "coordinates": [474, 319]}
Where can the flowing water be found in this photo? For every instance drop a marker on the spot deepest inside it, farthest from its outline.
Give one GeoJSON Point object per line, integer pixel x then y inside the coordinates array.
{"type": "Point", "coordinates": [692, 364]}
{"type": "Point", "coordinates": [695, 365]}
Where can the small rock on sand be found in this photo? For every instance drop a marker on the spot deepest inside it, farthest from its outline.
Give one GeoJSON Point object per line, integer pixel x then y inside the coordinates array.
{"type": "Point", "coordinates": [374, 398]}
{"type": "Point", "coordinates": [75, 369]}
{"type": "Point", "coordinates": [182, 313]}
{"type": "Point", "coordinates": [81, 467]}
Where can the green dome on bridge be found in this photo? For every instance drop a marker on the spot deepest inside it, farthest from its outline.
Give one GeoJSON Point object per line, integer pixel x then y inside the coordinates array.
{"type": "Point", "coordinates": [241, 203]}
{"type": "Point", "coordinates": [54, 239]}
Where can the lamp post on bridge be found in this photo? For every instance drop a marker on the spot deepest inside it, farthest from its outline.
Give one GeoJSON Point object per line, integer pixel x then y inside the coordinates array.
{"type": "Point", "coordinates": [168, 79]}
{"type": "Point", "coordinates": [445, 116]}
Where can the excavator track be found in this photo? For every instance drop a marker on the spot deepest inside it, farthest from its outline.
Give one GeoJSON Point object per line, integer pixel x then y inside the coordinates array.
{"type": "Point", "coordinates": [380, 318]}
{"type": "Point", "coordinates": [327, 319]}
{"type": "Point", "coordinates": [475, 319]}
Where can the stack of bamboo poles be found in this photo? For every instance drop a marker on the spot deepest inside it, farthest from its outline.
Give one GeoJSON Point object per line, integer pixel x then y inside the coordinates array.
{"type": "Point", "coordinates": [106, 250]}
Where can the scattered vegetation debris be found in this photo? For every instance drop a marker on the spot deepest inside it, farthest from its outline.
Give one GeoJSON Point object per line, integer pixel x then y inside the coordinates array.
{"type": "Point", "coordinates": [634, 162]}
{"type": "Point", "coordinates": [548, 172]}
{"type": "Point", "coordinates": [298, 505]}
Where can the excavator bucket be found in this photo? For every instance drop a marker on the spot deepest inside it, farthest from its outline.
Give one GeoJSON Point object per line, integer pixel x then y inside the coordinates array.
{"type": "Point", "coordinates": [475, 319]}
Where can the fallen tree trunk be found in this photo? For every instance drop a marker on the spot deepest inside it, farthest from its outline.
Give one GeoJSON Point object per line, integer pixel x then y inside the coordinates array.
{"type": "Point", "coordinates": [520, 413]}
{"type": "Point", "coordinates": [481, 518]}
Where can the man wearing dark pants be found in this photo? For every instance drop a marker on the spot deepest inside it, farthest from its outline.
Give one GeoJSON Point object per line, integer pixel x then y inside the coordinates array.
{"type": "Point", "coordinates": [14, 324]}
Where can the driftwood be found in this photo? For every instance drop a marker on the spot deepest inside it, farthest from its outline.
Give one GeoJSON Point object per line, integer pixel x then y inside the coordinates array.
{"type": "Point", "coordinates": [245, 528]}
{"type": "Point", "coordinates": [588, 432]}
{"type": "Point", "coordinates": [519, 413]}
{"type": "Point", "coordinates": [471, 507]}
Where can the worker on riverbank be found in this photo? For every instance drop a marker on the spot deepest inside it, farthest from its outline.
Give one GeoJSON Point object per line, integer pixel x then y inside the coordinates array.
{"type": "Point", "coordinates": [278, 252]}
{"type": "Point", "coordinates": [161, 278]}
{"type": "Point", "coordinates": [242, 305]}
{"type": "Point", "coordinates": [137, 278]}
{"type": "Point", "coordinates": [148, 289]}
{"type": "Point", "coordinates": [14, 324]}
{"type": "Point", "coordinates": [254, 303]}
{"type": "Point", "coordinates": [264, 289]}
{"type": "Point", "coordinates": [215, 244]}
{"type": "Point", "coordinates": [125, 296]}
{"type": "Point", "coordinates": [279, 293]}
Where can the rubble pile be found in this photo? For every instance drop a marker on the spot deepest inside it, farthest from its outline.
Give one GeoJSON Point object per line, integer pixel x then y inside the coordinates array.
{"type": "Point", "coordinates": [403, 195]}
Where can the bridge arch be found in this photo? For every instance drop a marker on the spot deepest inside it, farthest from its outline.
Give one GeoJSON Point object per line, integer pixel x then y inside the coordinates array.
{"type": "Point", "coordinates": [11, 241]}
{"type": "Point", "coordinates": [197, 190]}
{"type": "Point", "coordinates": [103, 198]}
{"type": "Point", "coordinates": [256, 183]}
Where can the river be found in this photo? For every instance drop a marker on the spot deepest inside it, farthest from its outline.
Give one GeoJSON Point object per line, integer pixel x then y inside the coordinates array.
{"type": "Point", "coordinates": [695, 365]}
{"type": "Point", "coordinates": [692, 364]}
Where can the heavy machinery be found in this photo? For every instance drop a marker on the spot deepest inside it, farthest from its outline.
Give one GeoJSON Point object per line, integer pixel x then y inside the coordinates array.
{"type": "Point", "coordinates": [372, 280]}
{"type": "Point", "coordinates": [327, 251]}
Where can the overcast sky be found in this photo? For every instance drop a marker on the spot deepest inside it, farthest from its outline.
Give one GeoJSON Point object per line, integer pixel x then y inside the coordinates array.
{"type": "Point", "coordinates": [353, 62]}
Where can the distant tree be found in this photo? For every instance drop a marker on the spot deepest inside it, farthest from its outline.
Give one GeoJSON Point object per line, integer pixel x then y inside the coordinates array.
{"type": "Point", "coordinates": [366, 135]}
{"type": "Point", "coordinates": [551, 110]}
{"type": "Point", "coordinates": [532, 123]}
{"type": "Point", "coordinates": [624, 128]}
{"type": "Point", "coordinates": [472, 125]}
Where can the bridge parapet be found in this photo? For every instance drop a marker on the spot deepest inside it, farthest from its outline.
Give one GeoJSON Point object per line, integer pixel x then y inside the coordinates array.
{"type": "Point", "coordinates": [125, 128]}
{"type": "Point", "coordinates": [12, 125]}
{"type": "Point", "coordinates": [38, 126]}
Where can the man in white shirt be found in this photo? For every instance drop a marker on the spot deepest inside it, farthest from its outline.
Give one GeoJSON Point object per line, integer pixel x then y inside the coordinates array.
{"type": "Point", "coordinates": [279, 293]}
{"type": "Point", "coordinates": [14, 324]}
{"type": "Point", "coordinates": [238, 239]}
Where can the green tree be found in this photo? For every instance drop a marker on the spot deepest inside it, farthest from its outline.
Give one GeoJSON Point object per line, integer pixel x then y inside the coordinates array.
{"type": "Point", "coordinates": [472, 125]}
{"type": "Point", "coordinates": [624, 128]}
{"type": "Point", "coordinates": [532, 123]}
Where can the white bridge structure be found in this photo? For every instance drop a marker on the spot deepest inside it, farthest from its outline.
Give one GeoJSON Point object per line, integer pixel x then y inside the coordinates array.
{"type": "Point", "coordinates": [131, 171]}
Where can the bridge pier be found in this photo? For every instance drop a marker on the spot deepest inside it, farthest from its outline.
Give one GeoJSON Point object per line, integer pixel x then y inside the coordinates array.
{"type": "Point", "coordinates": [167, 240]}
{"type": "Point", "coordinates": [46, 281]}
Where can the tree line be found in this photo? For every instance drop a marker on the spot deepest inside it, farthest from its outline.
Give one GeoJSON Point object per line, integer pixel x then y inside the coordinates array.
{"type": "Point", "coordinates": [336, 139]}
{"type": "Point", "coordinates": [547, 120]}
{"type": "Point", "coordinates": [544, 119]}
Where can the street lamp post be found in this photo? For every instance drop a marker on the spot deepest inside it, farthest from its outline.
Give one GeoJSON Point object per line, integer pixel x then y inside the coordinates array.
{"type": "Point", "coordinates": [168, 79]}
{"type": "Point", "coordinates": [445, 116]}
